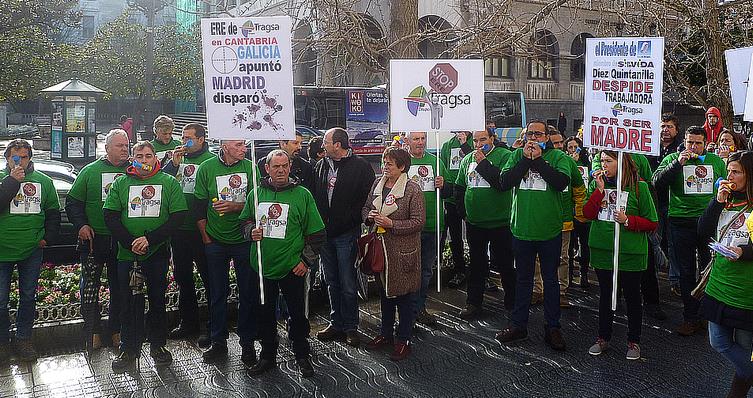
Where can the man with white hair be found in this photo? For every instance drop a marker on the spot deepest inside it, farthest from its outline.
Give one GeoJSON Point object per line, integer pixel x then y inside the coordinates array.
{"type": "Point", "coordinates": [97, 248]}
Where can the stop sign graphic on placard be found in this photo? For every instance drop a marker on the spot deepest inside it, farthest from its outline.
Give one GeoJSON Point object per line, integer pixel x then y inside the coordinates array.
{"type": "Point", "coordinates": [443, 78]}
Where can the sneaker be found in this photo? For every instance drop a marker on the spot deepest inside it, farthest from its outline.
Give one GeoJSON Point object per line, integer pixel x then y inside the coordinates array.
{"type": "Point", "coordinates": [564, 302]}
{"type": "Point", "coordinates": [161, 356]}
{"type": "Point", "coordinates": [655, 311]}
{"type": "Point", "coordinates": [401, 351]}
{"type": "Point", "coordinates": [331, 334]}
{"type": "Point", "coordinates": [511, 334]}
{"type": "Point", "coordinates": [469, 312]}
{"type": "Point", "coordinates": [306, 367]}
{"type": "Point", "coordinates": [25, 351]}
{"type": "Point", "coordinates": [182, 332]}
{"type": "Point", "coordinates": [553, 338]}
{"type": "Point", "coordinates": [216, 352]}
{"type": "Point", "coordinates": [689, 328]}
{"type": "Point", "coordinates": [490, 286]}
{"type": "Point", "coordinates": [352, 338]}
{"type": "Point", "coordinates": [262, 366]}
{"type": "Point", "coordinates": [248, 354]}
{"type": "Point", "coordinates": [426, 318]}
{"type": "Point", "coordinates": [204, 341]}
{"type": "Point", "coordinates": [599, 346]}
{"type": "Point", "coordinates": [633, 351]}
{"type": "Point", "coordinates": [675, 289]}
{"type": "Point", "coordinates": [379, 342]}
{"type": "Point", "coordinates": [123, 361]}
{"type": "Point", "coordinates": [457, 280]}
{"type": "Point", "coordinates": [537, 298]}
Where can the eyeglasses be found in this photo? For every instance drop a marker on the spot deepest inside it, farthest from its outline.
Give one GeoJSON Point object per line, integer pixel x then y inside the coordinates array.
{"type": "Point", "coordinates": [537, 134]}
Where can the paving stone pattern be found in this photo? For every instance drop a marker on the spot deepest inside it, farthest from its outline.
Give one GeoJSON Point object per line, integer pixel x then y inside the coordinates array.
{"type": "Point", "coordinates": [456, 359]}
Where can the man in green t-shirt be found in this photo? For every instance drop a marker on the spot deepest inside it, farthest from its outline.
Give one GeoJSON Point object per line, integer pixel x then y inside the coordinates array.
{"type": "Point", "coordinates": [485, 206]}
{"type": "Point", "coordinates": [142, 211]}
{"type": "Point", "coordinates": [452, 153]}
{"type": "Point", "coordinates": [187, 246]}
{"type": "Point", "coordinates": [222, 184]}
{"type": "Point", "coordinates": [690, 176]}
{"type": "Point", "coordinates": [163, 141]}
{"type": "Point", "coordinates": [29, 219]}
{"type": "Point", "coordinates": [538, 174]}
{"type": "Point", "coordinates": [423, 172]}
{"type": "Point", "coordinates": [97, 248]}
{"type": "Point", "coordinates": [291, 232]}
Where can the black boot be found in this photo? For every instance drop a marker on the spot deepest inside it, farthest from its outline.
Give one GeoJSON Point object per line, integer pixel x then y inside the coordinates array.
{"type": "Point", "coordinates": [739, 387]}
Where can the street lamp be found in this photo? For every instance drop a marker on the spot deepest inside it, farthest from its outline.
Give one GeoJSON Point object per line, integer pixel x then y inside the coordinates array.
{"type": "Point", "coordinates": [150, 8]}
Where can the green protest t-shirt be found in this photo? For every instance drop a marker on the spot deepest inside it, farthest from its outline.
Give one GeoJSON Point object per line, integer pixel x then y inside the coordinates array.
{"type": "Point", "coordinates": [144, 205]}
{"type": "Point", "coordinates": [633, 245]}
{"type": "Point", "coordinates": [694, 186]}
{"type": "Point", "coordinates": [186, 177]}
{"type": "Point", "coordinates": [536, 206]}
{"type": "Point", "coordinates": [287, 217]}
{"type": "Point", "coordinates": [421, 171]}
{"type": "Point", "coordinates": [485, 207]}
{"type": "Point", "coordinates": [160, 149]}
{"type": "Point", "coordinates": [92, 187]}
{"type": "Point", "coordinates": [450, 157]}
{"type": "Point", "coordinates": [22, 222]}
{"type": "Point", "coordinates": [641, 162]}
{"type": "Point", "coordinates": [576, 181]}
{"type": "Point", "coordinates": [216, 180]}
{"type": "Point", "coordinates": [730, 281]}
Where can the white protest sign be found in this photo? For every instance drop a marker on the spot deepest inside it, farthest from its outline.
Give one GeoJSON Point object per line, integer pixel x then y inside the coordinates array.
{"type": "Point", "coordinates": [738, 69]}
{"type": "Point", "coordinates": [623, 94]}
{"type": "Point", "coordinates": [433, 95]}
{"type": "Point", "coordinates": [748, 108]}
{"type": "Point", "coordinates": [248, 77]}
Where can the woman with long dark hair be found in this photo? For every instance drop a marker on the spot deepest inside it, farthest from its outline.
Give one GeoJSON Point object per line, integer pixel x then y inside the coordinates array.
{"type": "Point", "coordinates": [727, 302]}
{"type": "Point", "coordinates": [634, 213]}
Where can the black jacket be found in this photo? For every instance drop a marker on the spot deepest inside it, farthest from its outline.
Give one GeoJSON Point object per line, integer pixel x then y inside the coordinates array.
{"type": "Point", "coordinates": [299, 168]}
{"type": "Point", "coordinates": [354, 180]}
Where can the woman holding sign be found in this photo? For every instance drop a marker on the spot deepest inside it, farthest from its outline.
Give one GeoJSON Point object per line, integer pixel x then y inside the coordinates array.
{"type": "Point", "coordinates": [637, 217]}
{"type": "Point", "coordinates": [727, 302]}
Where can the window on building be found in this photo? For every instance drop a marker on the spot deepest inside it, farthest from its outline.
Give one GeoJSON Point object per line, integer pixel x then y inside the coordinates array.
{"type": "Point", "coordinates": [87, 26]}
{"type": "Point", "coordinates": [498, 67]}
{"type": "Point", "coordinates": [544, 63]}
{"type": "Point", "coordinates": [578, 62]}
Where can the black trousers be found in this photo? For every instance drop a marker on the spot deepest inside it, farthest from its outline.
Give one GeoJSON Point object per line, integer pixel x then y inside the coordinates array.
{"type": "Point", "coordinates": [188, 248]}
{"type": "Point", "coordinates": [484, 242]}
{"type": "Point", "coordinates": [105, 256]}
{"type": "Point", "coordinates": [649, 282]}
{"type": "Point", "coordinates": [579, 237]}
{"type": "Point", "coordinates": [292, 288]}
{"type": "Point", "coordinates": [630, 283]}
{"type": "Point", "coordinates": [454, 224]}
{"type": "Point", "coordinates": [135, 324]}
{"type": "Point", "coordinates": [685, 244]}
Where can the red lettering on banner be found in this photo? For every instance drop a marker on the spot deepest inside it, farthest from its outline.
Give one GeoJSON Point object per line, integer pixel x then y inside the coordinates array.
{"type": "Point", "coordinates": [625, 139]}
{"type": "Point", "coordinates": [645, 139]}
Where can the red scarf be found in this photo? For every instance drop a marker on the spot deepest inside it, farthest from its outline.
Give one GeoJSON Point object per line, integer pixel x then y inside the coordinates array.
{"type": "Point", "coordinates": [134, 172]}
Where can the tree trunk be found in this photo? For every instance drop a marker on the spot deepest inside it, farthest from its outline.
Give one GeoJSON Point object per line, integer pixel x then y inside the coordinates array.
{"type": "Point", "coordinates": [716, 83]}
{"type": "Point", "coordinates": [404, 23]}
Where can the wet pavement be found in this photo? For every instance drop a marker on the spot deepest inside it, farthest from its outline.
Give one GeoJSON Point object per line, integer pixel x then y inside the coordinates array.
{"type": "Point", "coordinates": [455, 359]}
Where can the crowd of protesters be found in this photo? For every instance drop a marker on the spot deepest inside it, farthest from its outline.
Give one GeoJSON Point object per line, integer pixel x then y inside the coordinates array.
{"type": "Point", "coordinates": [529, 212]}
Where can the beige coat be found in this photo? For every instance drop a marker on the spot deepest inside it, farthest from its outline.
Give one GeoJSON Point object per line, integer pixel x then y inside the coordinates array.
{"type": "Point", "coordinates": [404, 205]}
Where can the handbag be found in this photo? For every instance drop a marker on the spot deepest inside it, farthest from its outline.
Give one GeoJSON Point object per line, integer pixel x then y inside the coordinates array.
{"type": "Point", "coordinates": [372, 255]}
{"type": "Point", "coordinates": [699, 290]}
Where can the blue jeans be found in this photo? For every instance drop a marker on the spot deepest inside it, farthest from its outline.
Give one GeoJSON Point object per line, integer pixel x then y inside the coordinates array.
{"type": "Point", "coordinates": [28, 280]}
{"type": "Point", "coordinates": [428, 259]}
{"type": "Point", "coordinates": [525, 261]}
{"type": "Point", "coordinates": [735, 345]}
{"type": "Point", "coordinates": [338, 260]}
{"type": "Point", "coordinates": [404, 306]}
{"type": "Point", "coordinates": [132, 315]}
{"type": "Point", "coordinates": [218, 266]}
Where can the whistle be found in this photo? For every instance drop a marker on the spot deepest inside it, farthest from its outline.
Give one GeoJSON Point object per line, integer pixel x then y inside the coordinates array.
{"type": "Point", "coordinates": [729, 184]}
{"type": "Point", "coordinates": [142, 166]}
{"type": "Point", "coordinates": [577, 150]}
{"type": "Point", "coordinates": [188, 144]}
{"type": "Point", "coordinates": [220, 213]}
{"type": "Point", "coordinates": [16, 159]}
{"type": "Point", "coordinates": [485, 148]}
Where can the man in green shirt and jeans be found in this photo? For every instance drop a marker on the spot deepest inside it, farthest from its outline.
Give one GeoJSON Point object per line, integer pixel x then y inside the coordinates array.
{"type": "Point", "coordinates": [291, 231]}
{"type": "Point", "coordinates": [29, 219]}
{"type": "Point", "coordinates": [143, 210]}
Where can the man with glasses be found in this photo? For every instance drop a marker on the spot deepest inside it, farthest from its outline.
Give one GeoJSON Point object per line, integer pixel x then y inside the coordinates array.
{"type": "Point", "coordinates": [537, 174]}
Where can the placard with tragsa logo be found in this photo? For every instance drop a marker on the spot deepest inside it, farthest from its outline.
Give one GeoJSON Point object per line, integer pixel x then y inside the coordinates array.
{"type": "Point", "coordinates": [144, 201]}
{"type": "Point", "coordinates": [273, 219]}
{"type": "Point", "coordinates": [232, 187]}
{"type": "Point", "coordinates": [28, 200]}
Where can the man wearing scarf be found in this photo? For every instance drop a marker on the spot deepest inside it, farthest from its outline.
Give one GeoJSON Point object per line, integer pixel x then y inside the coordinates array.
{"type": "Point", "coordinates": [29, 219]}
{"type": "Point", "coordinates": [143, 210]}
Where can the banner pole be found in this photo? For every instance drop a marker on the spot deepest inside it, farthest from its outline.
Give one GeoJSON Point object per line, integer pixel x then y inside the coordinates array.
{"type": "Point", "coordinates": [256, 209]}
{"type": "Point", "coordinates": [616, 259]}
{"type": "Point", "coordinates": [439, 204]}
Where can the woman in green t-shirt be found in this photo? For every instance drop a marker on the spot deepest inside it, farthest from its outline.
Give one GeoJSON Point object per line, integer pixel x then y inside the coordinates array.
{"type": "Point", "coordinates": [728, 298]}
{"type": "Point", "coordinates": [636, 220]}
